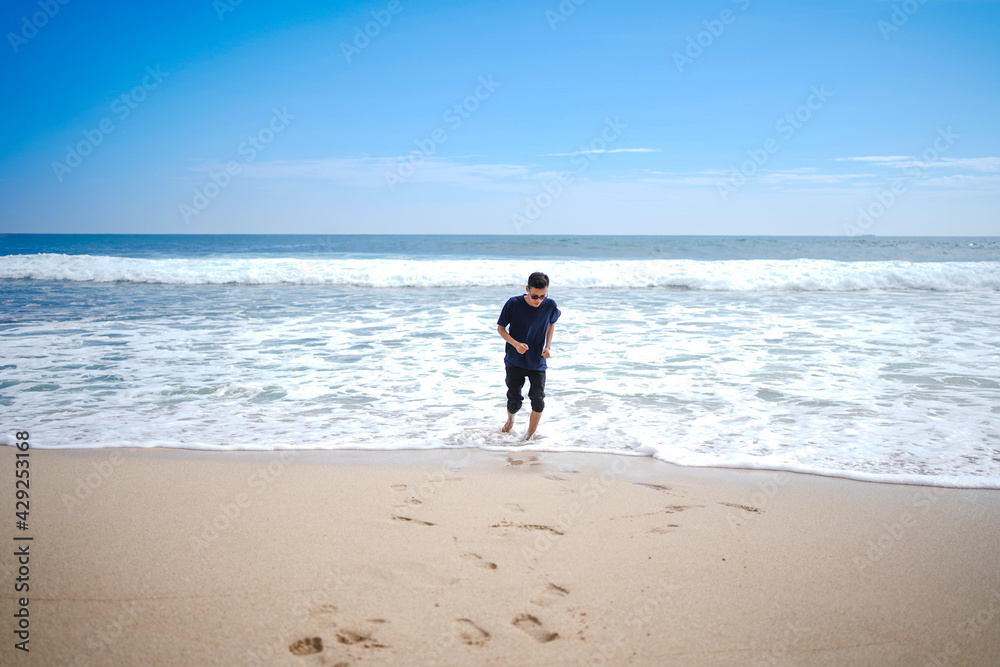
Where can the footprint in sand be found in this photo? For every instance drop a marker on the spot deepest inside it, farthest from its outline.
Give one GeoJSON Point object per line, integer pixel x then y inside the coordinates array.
{"type": "Point", "coordinates": [655, 487]}
{"type": "Point", "coordinates": [408, 504]}
{"type": "Point", "coordinates": [532, 627]}
{"type": "Point", "coordinates": [514, 507]}
{"type": "Point", "coordinates": [355, 636]}
{"type": "Point", "coordinates": [745, 508]}
{"type": "Point", "coordinates": [360, 634]}
{"type": "Point", "coordinates": [663, 530]}
{"type": "Point", "coordinates": [324, 614]}
{"type": "Point", "coordinates": [526, 526]}
{"type": "Point", "coordinates": [306, 646]}
{"type": "Point", "coordinates": [478, 561]}
{"type": "Point", "coordinates": [671, 509]}
{"type": "Point", "coordinates": [398, 487]}
{"type": "Point", "coordinates": [549, 594]}
{"type": "Point", "coordinates": [412, 520]}
{"type": "Point", "coordinates": [530, 460]}
{"type": "Point", "coordinates": [469, 633]}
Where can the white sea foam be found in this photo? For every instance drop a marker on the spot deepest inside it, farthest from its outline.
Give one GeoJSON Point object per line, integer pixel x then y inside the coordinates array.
{"type": "Point", "coordinates": [899, 386]}
{"type": "Point", "coordinates": [716, 275]}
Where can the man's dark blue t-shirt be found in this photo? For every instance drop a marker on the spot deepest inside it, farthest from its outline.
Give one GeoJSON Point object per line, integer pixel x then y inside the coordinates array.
{"type": "Point", "coordinates": [528, 324]}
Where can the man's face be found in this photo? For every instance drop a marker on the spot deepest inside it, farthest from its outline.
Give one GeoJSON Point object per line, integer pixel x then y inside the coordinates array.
{"type": "Point", "coordinates": [536, 295]}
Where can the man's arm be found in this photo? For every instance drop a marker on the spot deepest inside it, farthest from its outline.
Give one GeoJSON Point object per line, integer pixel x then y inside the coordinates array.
{"type": "Point", "coordinates": [520, 347]}
{"type": "Point", "coordinates": [548, 340]}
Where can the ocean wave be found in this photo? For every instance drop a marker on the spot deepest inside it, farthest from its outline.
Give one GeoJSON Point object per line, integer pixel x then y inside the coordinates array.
{"type": "Point", "coordinates": [711, 275]}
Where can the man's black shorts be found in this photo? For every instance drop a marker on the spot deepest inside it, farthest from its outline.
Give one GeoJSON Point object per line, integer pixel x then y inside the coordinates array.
{"type": "Point", "coordinates": [536, 390]}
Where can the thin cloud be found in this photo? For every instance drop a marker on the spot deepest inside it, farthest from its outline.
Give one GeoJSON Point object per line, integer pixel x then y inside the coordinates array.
{"type": "Point", "coordinates": [799, 176]}
{"type": "Point", "coordinates": [974, 163]}
{"type": "Point", "coordinates": [879, 159]}
{"type": "Point", "coordinates": [398, 172]}
{"type": "Point", "coordinates": [904, 161]}
{"type": "Point", "coordinates": [377, 172]}
{"type": "Point", "coordinates": [709, 177]}
{"type": "Point", "coordinates": [965, 182]}
{"type": "Point", "coordinates": [717, 177]}
{"type": "Point", "coordinates": [606, 150]}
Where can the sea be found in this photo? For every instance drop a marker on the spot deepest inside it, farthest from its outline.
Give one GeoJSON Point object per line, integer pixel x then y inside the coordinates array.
{"type": "Point", "coordinates": [870, 358]}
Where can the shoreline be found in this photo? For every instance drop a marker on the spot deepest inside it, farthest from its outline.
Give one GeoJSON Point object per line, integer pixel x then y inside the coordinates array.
{"type": "Point", "coordinates": [468, 556]}
{"type": "Point", "coordinates": [955, 482]}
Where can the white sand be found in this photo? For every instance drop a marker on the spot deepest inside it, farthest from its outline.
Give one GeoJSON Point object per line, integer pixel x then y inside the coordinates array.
{"type": "Point", "coordinates": [465, 557]}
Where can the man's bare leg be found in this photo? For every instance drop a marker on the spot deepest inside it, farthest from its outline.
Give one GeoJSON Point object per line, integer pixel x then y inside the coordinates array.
{"type": "Point", "coordinates": [533, 423]}
{"type": "Point", "coordinates": [509, 425]}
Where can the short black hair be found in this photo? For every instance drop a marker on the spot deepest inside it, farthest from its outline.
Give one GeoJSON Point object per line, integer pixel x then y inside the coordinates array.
{"type": "Point", "coordinates": [538, 280]}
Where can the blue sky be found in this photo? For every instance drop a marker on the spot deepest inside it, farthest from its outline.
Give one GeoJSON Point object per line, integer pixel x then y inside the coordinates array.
{"type": "Point", "coordinates": [722, 117]}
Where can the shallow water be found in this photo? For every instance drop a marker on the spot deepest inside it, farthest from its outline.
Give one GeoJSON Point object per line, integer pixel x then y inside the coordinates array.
{"type": "Point", "coordinates": [874, 369]}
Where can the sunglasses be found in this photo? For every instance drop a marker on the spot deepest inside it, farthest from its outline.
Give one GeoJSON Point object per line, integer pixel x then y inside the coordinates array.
{"type": "Point", "coordinates": [535, 296]}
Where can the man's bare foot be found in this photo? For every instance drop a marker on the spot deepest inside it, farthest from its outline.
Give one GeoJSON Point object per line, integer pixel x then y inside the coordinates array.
{"type": "Point", "coordinates": [532, 424]}
{"type": "Point", "coordinates": [509, 425]}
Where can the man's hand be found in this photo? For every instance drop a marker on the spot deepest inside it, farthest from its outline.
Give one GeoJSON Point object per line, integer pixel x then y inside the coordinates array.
{"type": "Point", "coordinates": [521, 348]}
{"type": "Point", "coordinates": [545, 352]}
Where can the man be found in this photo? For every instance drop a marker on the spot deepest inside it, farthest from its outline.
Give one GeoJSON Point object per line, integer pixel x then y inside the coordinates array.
{"type": "Point", "coordinates": [532, 319]}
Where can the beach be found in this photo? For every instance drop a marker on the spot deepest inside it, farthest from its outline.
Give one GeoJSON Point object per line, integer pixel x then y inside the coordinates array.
{"type": "Point", "coordinates": [500, 334]}
{"type": "Point", "coordinates": [463, 556]}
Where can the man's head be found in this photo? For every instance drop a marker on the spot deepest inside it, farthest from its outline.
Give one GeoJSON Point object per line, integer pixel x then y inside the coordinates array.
{"type": "Point", "coordinates": [537, 287]}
